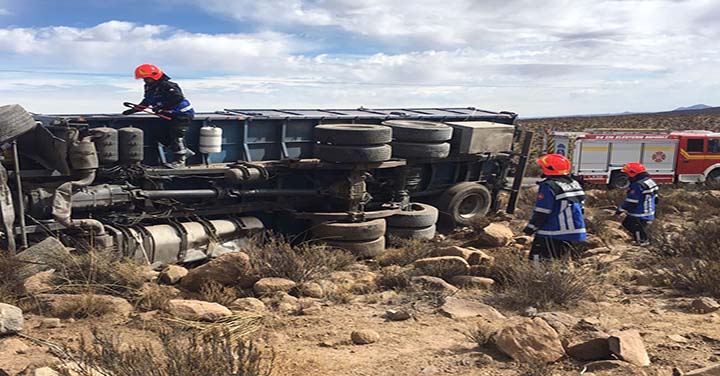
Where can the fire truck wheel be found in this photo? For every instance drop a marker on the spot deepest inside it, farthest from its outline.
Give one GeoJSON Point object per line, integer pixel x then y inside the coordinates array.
{"type": "Point", "coordinates": [352, 134]}
{"type": "Point", "coordinates": [362, 249]}
{"type": "Point", "coordinates": [334, 231]}
{"type": "Point", "coordinates": [413, 150]}
{"type": "Point", "coordinates": [419, 131]}
{"type": "Point", "coordinates": [464, 202]}
{"type": "Point", "coordinates": [14, 121]}
{"type": "Point", "coordinates": [353, 154]}
{"type": "Point", "coordinates": [426, 233]}
{"type": "Point", "coordinates": [419, 216]}
{"type": "Point", "coordinates": [619, 180]}
{"type": "Point", "coordinates": [713, 178]}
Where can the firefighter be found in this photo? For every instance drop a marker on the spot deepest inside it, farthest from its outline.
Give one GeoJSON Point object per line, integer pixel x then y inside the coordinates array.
{"type": "Point", "coordinates": [165, 97]}
{"type": "Point", "coordinates": [639, 205]}
{"type": "Point", "coordinates": [557, 219]}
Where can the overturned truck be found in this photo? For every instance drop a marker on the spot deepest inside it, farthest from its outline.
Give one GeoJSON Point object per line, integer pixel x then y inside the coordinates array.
{"type": "Point", "coordinates": [346, 177]}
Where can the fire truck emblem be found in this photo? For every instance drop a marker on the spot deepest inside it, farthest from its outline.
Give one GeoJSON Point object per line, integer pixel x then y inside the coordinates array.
{"type": "Point", "coordinates": [658, 156]}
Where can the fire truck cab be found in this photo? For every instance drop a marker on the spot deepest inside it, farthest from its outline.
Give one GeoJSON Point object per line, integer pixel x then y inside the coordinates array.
{"type": "Point", "coordinates": [598, 155]}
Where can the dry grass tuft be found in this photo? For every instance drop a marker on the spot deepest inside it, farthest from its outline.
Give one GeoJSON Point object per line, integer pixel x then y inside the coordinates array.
{"type": "Point", "coordinates": [11, 284]}
{"type": "Point", "coordinates": [215, 292]}
{"type": "Point", "coordinates": [98, 272]}
{"type": "Point", "coordinates": [274, 256]}
{"type": "Point", "coordinates": [394, 278]}
{"type": "Point", "coordinates": [180, 354]}
{"type": "Point", "coordinates": [86, 307]}
{"type": "Point", "coordinates": [483, 334]}
{"type": "Point", "coordinates": [405, 251]}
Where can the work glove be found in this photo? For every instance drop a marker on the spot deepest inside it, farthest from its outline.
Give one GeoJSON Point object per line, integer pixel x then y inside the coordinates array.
{"type": "Point", "coordinates": [529, 230]}
{"type": "Point", "coordinates": [129, 111]}
{"type": "Point", "coordinates": [158, 110]}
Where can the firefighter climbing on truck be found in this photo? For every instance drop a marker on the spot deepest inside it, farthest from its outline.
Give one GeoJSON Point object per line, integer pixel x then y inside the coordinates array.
{"type": "Point", "coordinates": [639, 205]}
{"type": "Point", "coordinates": [165, 97]}
{"type": "Point", "coordinates": [557, 219]}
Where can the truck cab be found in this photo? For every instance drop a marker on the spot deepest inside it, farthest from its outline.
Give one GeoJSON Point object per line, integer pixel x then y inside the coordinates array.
{"type": "Point", "coordinates": [698, 157]}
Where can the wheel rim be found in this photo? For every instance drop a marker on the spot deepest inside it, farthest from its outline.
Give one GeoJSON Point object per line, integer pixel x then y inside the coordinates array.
{"type": "Point", "coordinates": [622, 181]}
{"type": "Point", "coordinates": [470, 206]}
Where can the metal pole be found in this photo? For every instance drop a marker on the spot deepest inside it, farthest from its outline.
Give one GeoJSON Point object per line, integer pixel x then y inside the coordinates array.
{"type": "Point", "coordinates": [21, 203]}
{"type": "Point", "coordinates": [520, 172]}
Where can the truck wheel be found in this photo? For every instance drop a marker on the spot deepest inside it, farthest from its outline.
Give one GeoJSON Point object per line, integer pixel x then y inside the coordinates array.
{"type": "Point", "coordinates": [419, 216]}
{"type": "Point", "coordinates": [363, 249]}
{"type": "Point", "coordinates": [14, 121]}
{"type": "Point", "coordinates": [713, 178]}
{"type": "Point", "coordinates": [352, 134]}
{"type": "Point", "coordinates": [464, 202]}
{"type": "Point", "coordinates": [419, 131]}
{"type": "Point", "coordinates": [413, 150]}
{"type": "Point", "coordinates": [353, 154]}
{"type": "Point", "coordinates": [619, 180]}
{"type": "Point", "coordinates": [333, 231]}
{"type": "Point", "coordinates": [426, 233]}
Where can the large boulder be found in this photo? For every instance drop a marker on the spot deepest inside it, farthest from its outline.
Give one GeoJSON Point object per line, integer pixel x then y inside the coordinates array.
{"type": "Point", "coordinates": [41, 257]}
{"type": "Point", "coordinates": [629, 346]}
{"type": "Point", "coordinates": [172, 274]}
{"type": "Point", "coordinates": [444, 267]}
{"type": "Point", "coordinates": [531, 341]}
{"type": "Point", "coordinates": [248, 304]}
{"type": "Point", "coordinates": [197, 310]}
{"type": "Point", "coordinates": [267, 286]}
{"type": "Point", "coordinates": [39, 283]}
{"type": "Point", "coordinates": [11, 319]}
{"type": "Point", "coordinates": [457, 308]}
{"type": "Point", "coordinates": [705, 305]}
{"type": "Point", "coordinates": [560, 321]}
{"type": "Point", "coordinates": [71, 305]}
{"type": "Point", "coordinates": [593, 349]}
{"type": "Point", "coordinates": [228, 269]}
{"type": "Point", "coordinates": [495, 235]}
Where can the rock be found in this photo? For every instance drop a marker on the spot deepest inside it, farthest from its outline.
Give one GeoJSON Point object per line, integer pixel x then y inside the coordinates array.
{"type": "Point", "coordinates": [430, 370]}
{"type": "Point", "coordinates": [677, 338]}
{"type": "Point", "coordinates": [309, 306]}
{"type": "Point", "coordinates": [364, 337]}
{"type": "Point", "coordinates": [50, 323]}
{"type": "Point", "coordinates": [712, 370]}
{"type": "Point", "coordinates": [478, 257]}
{"type": "Point", "coordinates": [445, 266]}
{"type": "Point", "coordinates": [434, 284]}
{"type": "Point", "coordinates": [594, 349]}
{"type": "Point", "coordinates": [530, 340]}
{"type": "Point", "coordinates": [397, 315]}
{"type": "Point", "coordinates": [45, 371]}
{"type": "Point", "coordinates": [279, 297]}
{"type": "Point", "coordinates": [197, 310]}
{"type": "Point", "coordinates": [311, 290]}
{"type": "Point", "coordinates": [705, 305]}
{"type": "Point", "coordinates": [228, 269]}
{"type": "Point", "coordinates": [288, 308]}
{"type": "Point", "coordinates": [480, 270]}
{"type": "Point", "coordinates": [172, 274]}
{"type": "Point", "coordinates": [248, 304]}
{"type": "Point", "coordinates": [11, 319]}
{"type": "Point", "coordinates": [452, 251]}
{"type": "Point", "coordinates": [592, 323]}
{"type": "Point", "coordinates": [495, 235]}
{"type": "Point", "coordinates": [39, 283]}
{"type": "Point", "coordinates": [606, 365]}
{"type": "Point", "coordinates": [470, 282]}
{"type": "Point", "coordinates": [13, 346]}
{"type": "Point", "coordinates": [267, 286]}
{"type": "Point", "coordinates": [560, 321]}
{"type": "Point", "coordinates": [41, 256]}
{"type": "Point", "coordinates": [629, 346]}
{"type": "Point", "coordinates": [530, 312]}
{"type": "Point", "coordinates": [457, 308]}
{"type": "Point", "coordinates": [70, 305]}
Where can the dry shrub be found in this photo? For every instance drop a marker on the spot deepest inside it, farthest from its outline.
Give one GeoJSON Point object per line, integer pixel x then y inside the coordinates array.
{"type": "Point", "coordinates": [405, 251]}
{"type": "Point", "coordinates": [700, 277]}
{"type": "Point", "coordinates": [543, 285]}
{"type": "Point", "coordinates": [180, 354]}
{"type": "Point", "coordinates": [152, 297]}
{"type": "Point", "coordinates": [274, 256]}
{"type": "Point", "coordinates": [215, 292]}
{"type": "Point", "coordinates": [99, 272]}
{"type": "Point", "coordinates": [394, 278]}
{"type": "Point", "coordinates": [483, 334]}
{"type": "Point", "coordinates": [88, 305]}
{"type": "Point", "coordinates": [11, 283]}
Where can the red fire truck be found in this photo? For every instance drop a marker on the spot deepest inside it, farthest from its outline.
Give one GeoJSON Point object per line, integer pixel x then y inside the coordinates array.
{"type": "Point", "coordinates": [598, 155]}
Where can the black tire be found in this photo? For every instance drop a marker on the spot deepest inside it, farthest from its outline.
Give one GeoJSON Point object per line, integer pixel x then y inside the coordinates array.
{"type": "Point", "coordinates": [420, 216]}
{"type": "Point", "coordinates": [363, 249]}
{"type": "Point", "coordinates": [353, 134]}
{"type": "Point", "coordinates": [412, 150]}
{"type": "Point", "coordinates": [426, 233]}
{"type": "Point", "coordinates": [353, 154]}
{"type": "Point", "coordinates": [335, 231]}
{"type": "Point", "coordinates": [419, 131]}
{"type": "Point", "coordinates": [462, 203]}
{"type": "Point", "coordinates": [619, 180]}
{"type": "Point", "coordinates": [14, 121]}
{"type": "Point", "coordinates": [713, 178]}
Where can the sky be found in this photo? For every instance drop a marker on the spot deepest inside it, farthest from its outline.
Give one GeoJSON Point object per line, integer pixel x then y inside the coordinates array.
{"type": "Point", "coordinates": [535, 58]}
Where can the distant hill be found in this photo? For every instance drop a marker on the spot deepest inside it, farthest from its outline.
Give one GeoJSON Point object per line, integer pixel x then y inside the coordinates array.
{"type": "Point", "coordinates": [693, 107]}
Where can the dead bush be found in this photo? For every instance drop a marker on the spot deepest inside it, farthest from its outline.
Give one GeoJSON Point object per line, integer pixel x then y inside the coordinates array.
{"type": "Point", "coordinates": [394, 278]}
{"type": "Point", "coordinates": [179, 354]}
{"type": "Point", "coordinates": [215, 292]}
{"type": "Point", "coordinates": [98, 272]}
{"type": "Point", "coordinates": [405, 251]}
{"type": "Point", "coordinates": [701, 241]}
{"type": "Point", "coordinates": [545, 284]}
{"type": "Point", "coordinates": [700, 277]}
{"type": "Point", "coordinates": [152, 297]}
{"type": "Point", "coordinates": [11, 284]}
{"type": "Point", "coordinates": [273, 255]}
{"type": "Point", "coordinates": [483, 334]}
{"type": "Point", "coordinates": [86, 307]}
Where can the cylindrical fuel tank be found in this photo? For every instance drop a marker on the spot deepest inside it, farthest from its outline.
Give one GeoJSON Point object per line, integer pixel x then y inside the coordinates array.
{"type": "Point", "coordinates": [106, 144]}
{"type": "Point", "coordinates": [131, 145]}
{"type": "Point", "coordinates": [210, 140]}
{"type": "Point", "coordinates": [83, 155]}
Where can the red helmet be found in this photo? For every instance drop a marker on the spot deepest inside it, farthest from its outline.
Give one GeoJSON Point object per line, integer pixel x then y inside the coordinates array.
{"type": "Point", "coordinates": [554, 164]}
{"type": "Point", "coordinates": [148, 71]}
{"type": "Point", "coordinates": [633, 168]}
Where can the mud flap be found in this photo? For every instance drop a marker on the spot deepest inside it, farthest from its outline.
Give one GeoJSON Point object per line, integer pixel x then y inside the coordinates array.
{"type": "Point", "coordinates": [7, 211]}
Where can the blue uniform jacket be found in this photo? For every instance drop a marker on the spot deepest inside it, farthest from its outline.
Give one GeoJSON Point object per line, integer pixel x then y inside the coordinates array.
{"type": "Point", "coordinates": [641, 198]}
{"type": "Point", "coordinates": [558, 210]}
{"type": "Point", "coordinates": [166, 95]}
